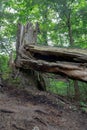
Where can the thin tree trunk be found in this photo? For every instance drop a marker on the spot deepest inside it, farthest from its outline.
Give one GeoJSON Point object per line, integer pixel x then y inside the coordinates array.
{"type": "Point", "coordinates": [68, 88]}
{"type": "Point", "coordinates": [44, 31]}
{"type": "Point", "coordinates": [76, 89]}
{"type": "Point", "coordinates": [71, 41]}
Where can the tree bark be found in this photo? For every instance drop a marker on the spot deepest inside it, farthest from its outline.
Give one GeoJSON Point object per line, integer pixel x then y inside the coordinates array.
{"type": "Point", "coordinates": [71, 40]}
{"type": "Point", "coordinates": [27, 35]}
{"type": "Point", "coordinates": [63, 61]}
{"type": "Point", "coordinates": [67, 62]}
{"type": "Point", "coordinates": [76, 89]}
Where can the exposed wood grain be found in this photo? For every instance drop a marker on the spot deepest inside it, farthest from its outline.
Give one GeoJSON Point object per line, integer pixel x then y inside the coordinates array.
{"type": "Point", "coordinates": [62, 61]}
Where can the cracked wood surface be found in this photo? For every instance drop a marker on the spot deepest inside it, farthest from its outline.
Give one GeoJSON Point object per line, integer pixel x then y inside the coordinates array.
{"type": "Point", "coordinates": [67, 62]}
{"type": "Point", "coordinates": [63, 61]}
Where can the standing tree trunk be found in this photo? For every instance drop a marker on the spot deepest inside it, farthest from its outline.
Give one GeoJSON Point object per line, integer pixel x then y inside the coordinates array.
{"type": "Point", "coordinates": [71, 42]}
{"type": "Point", "coordinates": [76, 90]}
{"type": "Point", "coordinates": [44, 12]}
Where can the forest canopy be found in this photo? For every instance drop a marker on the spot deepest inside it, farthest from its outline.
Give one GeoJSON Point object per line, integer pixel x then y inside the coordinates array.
{"type": "Point", "coordinates": [62, 23]}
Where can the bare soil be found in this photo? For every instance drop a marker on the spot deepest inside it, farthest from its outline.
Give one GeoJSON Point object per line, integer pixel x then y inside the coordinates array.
{"type": "Point", "coordinates": [34, 110]}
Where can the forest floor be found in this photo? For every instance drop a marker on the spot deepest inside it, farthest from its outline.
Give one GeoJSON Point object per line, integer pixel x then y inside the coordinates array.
{"type": "Point", "coordinates": [24, 110]}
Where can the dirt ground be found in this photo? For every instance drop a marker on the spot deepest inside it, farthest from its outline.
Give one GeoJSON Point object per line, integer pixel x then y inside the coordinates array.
{"type": "Point", "coordinates": [24, 110]}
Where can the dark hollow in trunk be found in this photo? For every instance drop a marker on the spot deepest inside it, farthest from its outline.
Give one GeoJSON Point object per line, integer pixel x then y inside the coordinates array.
{"type": "Point", "coordinates": [71, 63]}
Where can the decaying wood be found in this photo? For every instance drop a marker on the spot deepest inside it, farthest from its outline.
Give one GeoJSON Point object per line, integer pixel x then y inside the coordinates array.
{"type": "Point", "coordinates": [26, 34]}
{"type": "Point", "coordinates": [62, 61]}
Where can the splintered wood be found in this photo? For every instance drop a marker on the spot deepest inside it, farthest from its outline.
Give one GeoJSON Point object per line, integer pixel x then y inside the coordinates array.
{"type": "Point", "coordinates": [62, 61]}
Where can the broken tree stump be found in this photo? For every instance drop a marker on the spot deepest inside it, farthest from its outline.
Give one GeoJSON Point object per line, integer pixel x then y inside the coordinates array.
{"type": "Point", "coordinates": [27, 35]}
{"type": "Point", "coordinates": [66, 62]}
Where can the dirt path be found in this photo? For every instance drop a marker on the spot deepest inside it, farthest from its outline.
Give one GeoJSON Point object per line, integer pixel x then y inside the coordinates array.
{"type": "Point", "coordinates": [21, 110]}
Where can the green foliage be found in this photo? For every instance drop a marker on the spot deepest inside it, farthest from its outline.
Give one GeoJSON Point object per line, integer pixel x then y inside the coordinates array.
{"type": "Point", "coordinates": [16, 82]}
{"type": "Point", "coordinates": [58, 87]}
{"type": "Point", "coordinates": [52, 17]}
{"type": "Point", "coordinates": [83, 91]}
{"type": "Point", "coordinates": [83, 106]}
{"type": "Point", "coordinates": [57, 19]}
{"type": "Point", "coordinates": [4, 68]}
{"type": "Point", "coordinates": [3, 63]}
{"type": "Point", "coordinates": [66, 88]}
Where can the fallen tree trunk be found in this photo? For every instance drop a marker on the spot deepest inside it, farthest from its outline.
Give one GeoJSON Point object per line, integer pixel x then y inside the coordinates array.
{"type": "Point", "coordinates": [67, 62]}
